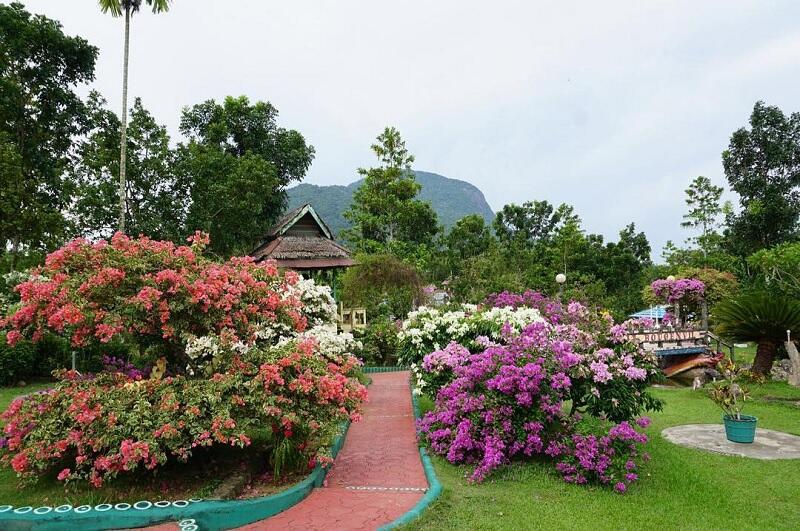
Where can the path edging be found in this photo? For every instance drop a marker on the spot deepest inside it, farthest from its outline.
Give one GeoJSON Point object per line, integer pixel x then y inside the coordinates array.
{"type": "Point", "coordinates": [434, 486]}
{"type": "Point", "coordinates": [210, 514]}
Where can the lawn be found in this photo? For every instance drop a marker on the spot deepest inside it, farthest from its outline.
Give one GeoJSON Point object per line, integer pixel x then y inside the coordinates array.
{"type": "Point", "coordinates": [197, 479]}
{"type": "Point", "coordinates": [683, 488]}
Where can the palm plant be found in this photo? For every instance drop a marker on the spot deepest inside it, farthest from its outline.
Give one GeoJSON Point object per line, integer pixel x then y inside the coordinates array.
{"type": "Point", "coordinates": [760, 317]}
{"type": "Point", "coordinates": [117, 8]}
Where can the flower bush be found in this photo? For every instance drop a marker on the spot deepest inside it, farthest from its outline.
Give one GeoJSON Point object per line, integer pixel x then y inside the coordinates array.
{"type": "Point", "coordinates": [681, 289]}
{"type": "Point", "coordinates": [429, 329]}
{"type": "Point", "coordinates": [95, 428]}
{"type": "Point", "coordinates": [525, 394]}
{"type": "Point", "coordinates": [228, 353]}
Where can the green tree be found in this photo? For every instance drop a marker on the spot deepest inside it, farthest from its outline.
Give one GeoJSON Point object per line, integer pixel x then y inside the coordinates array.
{"type": "Point", "coordinates": [531, 223]}
{"type": "Point", "coordinates": [762, 165]}
{"type": "Point", "coordinates": [778, 269]}
{"type": "Point", "coordinates": [761, 317]}
{"type": "Point", "coordinates": [235, 166]}
{"type": "Point", "coordinates": [385, 214]}
{"type": "Point", "coordinates": [705, 208]}
{"type": "Point", "coordinates": [155, 204]}
{"type": "Point", "coordinates": [40, 116]}
{"type": "Point", "coordinates": [468, 238]}
{"type": "Point", "coordinates": [382, 283]}
{"type": "Point", "coordinates": [118, 8]}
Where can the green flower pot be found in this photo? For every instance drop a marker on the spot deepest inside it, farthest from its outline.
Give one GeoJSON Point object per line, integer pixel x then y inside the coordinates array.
{"type": "Point", "coordinates": [741, 430]}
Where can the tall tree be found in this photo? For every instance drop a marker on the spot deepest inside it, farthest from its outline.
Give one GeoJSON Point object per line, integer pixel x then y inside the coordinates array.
{"type": "Point", "coordinates": [118, 8]}
{"type": "Point", "coordinates": [531, 223]}
{"type": "Point", "coordinates": [235, 168]}
{"type": "Point", "coordinates": [155, 204]}
{"type": "Point", "coordinates": [703, 200]}
{"type": "Point", "coordinates": [762, 165]}
{"type": "Point", "coordinates": [40, 116]}
{"type": "Point", "coordinates": [385, 213]}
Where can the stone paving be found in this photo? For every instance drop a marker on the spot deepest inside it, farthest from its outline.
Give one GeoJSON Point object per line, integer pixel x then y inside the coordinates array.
{"type": "Point", "coordinates": [768, 444]}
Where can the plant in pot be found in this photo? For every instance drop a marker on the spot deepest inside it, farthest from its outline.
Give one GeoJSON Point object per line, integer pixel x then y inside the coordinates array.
{"type": "Point", "coordinates": [729, 395]}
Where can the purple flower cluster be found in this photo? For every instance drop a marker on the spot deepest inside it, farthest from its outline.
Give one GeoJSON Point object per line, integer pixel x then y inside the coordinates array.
{"type": "Point", "coordinates": [609, 458]}
{"type": "Point", "coordinates": [530, 298]}
{"type": "Point", "coordinates": [673, 291]}
{"type": "Point", "coordinates": [510, 400]}
{"type": "Point", "coordinates": [118, 365]}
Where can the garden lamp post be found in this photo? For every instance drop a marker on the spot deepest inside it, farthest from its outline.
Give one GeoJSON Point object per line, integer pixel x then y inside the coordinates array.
{"type": "Point", "coordinates": [560, 279]}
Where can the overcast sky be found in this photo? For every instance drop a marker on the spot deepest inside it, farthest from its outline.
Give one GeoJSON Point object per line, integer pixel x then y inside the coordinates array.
{"type": "Point", "coordinates": [611, 106]}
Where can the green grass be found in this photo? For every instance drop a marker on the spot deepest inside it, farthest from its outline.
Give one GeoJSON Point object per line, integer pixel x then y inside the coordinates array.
{"type": "Point", "coordinates": [681, 488]}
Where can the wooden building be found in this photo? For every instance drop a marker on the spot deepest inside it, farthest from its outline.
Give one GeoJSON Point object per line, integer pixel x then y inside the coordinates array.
{"type": "Point", "coordinates": [300, 240]}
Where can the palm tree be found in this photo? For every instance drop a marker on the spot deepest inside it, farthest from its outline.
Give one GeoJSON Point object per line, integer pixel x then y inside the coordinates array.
{"type": "Point", "coordinates": [760, 317]}
{"type": "Point", "coordinates": [117, 8]}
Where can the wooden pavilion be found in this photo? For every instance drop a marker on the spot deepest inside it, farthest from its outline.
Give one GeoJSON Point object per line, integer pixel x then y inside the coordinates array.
{"type": "Point", "coordinates": [302, 241]}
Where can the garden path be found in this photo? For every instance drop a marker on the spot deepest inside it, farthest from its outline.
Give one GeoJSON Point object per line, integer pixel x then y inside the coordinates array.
{"type": "Point", "coordinates": [377, 476]}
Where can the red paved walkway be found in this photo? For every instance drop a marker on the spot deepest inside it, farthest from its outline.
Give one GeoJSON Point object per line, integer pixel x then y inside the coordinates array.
{"type": "Point", "coordinates": [377, 475]}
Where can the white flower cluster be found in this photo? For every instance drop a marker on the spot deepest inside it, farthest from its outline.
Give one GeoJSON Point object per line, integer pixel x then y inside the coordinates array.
{"type": "Point", "coordinates": [329, 343]}
{"type": "Point", "coordinates": [428, 329]}
{"type": "Point", "coordinates": [319, 307]}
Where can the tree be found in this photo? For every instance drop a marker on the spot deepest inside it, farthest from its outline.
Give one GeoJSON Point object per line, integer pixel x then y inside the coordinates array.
{"type": "Point", "coordinates": [235, 168]}
{"type": "Point", "coordinates": [40, 115]}
{"type": "Point", "coordinates": [762, 165]}
{"type": "Point", "coordinates": [760, 317]}
{"type": "Point", "coordinates": [531, 223]}
{"type": "Point", "coordinates": [384, 284]}
{"type": "Point", "coordinates": [117, 8]}
{"type": "Point", "coordinates": [385, 213]}
{"type": "Point", "coordinates": [778, 269]}
{"type": "Point", "coordinates": [155, 204]}
{"type": "Point", "coordinates": [468, 238]}
{"type": "Point", "coordinates": [703, 202]}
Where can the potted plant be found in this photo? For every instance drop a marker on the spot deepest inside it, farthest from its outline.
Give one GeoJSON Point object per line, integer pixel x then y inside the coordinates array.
{"type": "Point", "coordinates": [729, 395]}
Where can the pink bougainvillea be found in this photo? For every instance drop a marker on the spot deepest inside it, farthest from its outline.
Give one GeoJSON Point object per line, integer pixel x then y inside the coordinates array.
{"type": "Point", "coordinates": [682, 289]}
{"type": "Point", "coordinates": [150, 292]}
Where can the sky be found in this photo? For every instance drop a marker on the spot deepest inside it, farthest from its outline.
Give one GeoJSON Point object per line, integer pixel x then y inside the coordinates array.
{"type": "Point", "coordinates": [613, 107]}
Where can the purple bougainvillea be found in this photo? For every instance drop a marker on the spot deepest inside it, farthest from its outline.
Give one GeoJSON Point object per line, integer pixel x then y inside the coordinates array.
{"type": "Point", "coordinates": [567, 388]}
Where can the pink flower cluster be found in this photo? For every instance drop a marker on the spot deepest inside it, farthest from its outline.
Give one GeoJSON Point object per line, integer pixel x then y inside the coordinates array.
{"type": "Point", "coordinates": [672, 291]}
{"type": "Point", "coordinates": [148, 291]}
{"type": "Point", "coordinates": [528, 395]}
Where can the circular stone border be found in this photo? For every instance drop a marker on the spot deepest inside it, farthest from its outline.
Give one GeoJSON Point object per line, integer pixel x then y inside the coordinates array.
{"type": "Point", "coordinates": [768, 444]}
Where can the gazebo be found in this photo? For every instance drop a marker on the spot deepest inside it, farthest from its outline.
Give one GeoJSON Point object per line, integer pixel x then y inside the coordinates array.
{"type": "Point", "coordinates": [302, 241]}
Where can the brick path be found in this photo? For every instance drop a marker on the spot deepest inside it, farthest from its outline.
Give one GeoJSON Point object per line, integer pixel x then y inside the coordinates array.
{"type": "Point", "coordinates": [377, 476]}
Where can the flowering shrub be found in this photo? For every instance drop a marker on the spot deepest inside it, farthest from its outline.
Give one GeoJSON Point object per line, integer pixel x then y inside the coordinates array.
{"type": "Point", "coordinates": [523, 395]}
{"type": "Point", "coordinates": [612, 458]}
{"type": "Point", "coordinates": [429, 329]}
{"type": "Point", "coordinates": [682, 289]}
{"type": "Point", "coordinates": [230, 349]}
{"type": "Point", "coordinates": [153, 295]}
{"type": "Point", "coordinates": [96, 428]}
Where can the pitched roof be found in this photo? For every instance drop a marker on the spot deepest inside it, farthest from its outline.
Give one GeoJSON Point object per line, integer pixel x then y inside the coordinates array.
{"type": "Point", "coordinates": [302, 251]}
{"type": "Point", "coordinates": [291, 217]}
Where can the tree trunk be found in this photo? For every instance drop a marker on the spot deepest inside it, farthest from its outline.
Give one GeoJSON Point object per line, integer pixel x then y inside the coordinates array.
{"type": "Point", "coordinates": [123, 136]}
{"type": "Point", "coordinates": [765, 356]}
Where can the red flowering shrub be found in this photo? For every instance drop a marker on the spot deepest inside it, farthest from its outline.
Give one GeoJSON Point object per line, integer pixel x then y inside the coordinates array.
{"type": "Point", "coordinates": [153, 295]}
{"type": "Point", "coordinates": [95, 428]}
{"type": "Point", "coordinates": [222, 321]}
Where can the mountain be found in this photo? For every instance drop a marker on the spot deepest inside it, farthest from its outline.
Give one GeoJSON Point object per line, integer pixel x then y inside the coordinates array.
{"type": "Point", "coordinates": [452, 199]}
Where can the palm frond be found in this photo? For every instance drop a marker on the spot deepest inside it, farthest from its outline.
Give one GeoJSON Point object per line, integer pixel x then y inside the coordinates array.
{"type": "Point", "coordinates": [757, 316]}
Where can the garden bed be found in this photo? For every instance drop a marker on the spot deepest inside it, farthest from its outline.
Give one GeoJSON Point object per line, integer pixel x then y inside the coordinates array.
{"type": "Point", "coordinates": [682, 488]}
